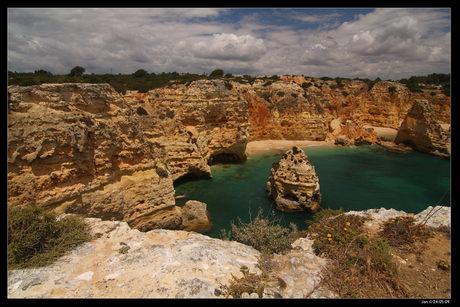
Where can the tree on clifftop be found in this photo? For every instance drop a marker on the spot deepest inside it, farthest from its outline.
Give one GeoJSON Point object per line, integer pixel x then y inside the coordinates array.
{"type": "Point", "coordinates": [140, 73]}
{"type": "Point", "coordinates": [77, 71]}
{"type": "Point", "coordinates": [217, 73]}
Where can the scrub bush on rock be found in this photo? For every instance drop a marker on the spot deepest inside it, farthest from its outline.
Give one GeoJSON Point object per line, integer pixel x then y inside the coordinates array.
{"type": "Point", "coordinates": [37, 237]}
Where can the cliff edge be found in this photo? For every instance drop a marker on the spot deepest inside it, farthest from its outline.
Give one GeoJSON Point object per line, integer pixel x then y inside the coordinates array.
{"type": "Point", "coordinates": [124, 262]}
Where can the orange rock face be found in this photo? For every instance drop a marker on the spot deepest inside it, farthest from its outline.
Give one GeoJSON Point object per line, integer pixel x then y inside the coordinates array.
{"type": "Point", "coordinates": [85, 148]}
{"type": "Point", "coordinates": [301, 109]}
{"type": "Point", "coordinates": [421, 131]}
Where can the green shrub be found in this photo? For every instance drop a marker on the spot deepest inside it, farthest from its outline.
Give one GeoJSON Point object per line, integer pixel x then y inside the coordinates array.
{"type": "Point", "coordinates": [228, 85]}
{"type": "Point", "coordinates": [268, 83]}
{"type": "Point", "coordinates": [340, 230]}
{"type": "Point", "coordinates": [281, 94]}
{"type": "Point", "coordinates": [264, 234]}
{"type": "Point", "coordinates": [141, 111]}
{"type": "Point", "coordinates": [162, 172]}
{"type": "Point", "coordinates": [37, 237]}
{"type": "Point", "coordinates": [324, 214]}
{"type": "Point", "coordinates": [361, 265]}
{"type": "Point", "coordinates": [217, 73]}
{"type": "Point", "coordinates": [29, 83]}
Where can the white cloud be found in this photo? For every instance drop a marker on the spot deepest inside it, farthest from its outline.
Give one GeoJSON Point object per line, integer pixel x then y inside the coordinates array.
{"type": "Point", "coordinates": [390, 43]}
{"type": "Point", "coordinates": [227, 46]}
{"type": "Point", "coordinates": [379, 40]}
{"type": "Point", "coordinates": [316, 18]}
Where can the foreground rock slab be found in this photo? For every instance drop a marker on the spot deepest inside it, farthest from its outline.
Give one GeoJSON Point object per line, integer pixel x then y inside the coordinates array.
{"type": "Point", "coordinates": [125, 262]}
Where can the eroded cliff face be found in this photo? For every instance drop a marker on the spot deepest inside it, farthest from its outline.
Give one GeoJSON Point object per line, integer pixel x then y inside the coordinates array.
{"type": "Point", "coordinates": [79, 148]}
{"type": "Point", "coordinates": [219, 116]}
{"type": "Point", "coordinates": [194, 125]}
{"type": "Point", "coordinates": [421, 131]}
{"type": "Point", "coordinates": [280, 111]}
{"type": "Point", "coordinates": [293, 183]}
{"type": "Point", "coordinates": [84, 148]}
{"type": "Point", "coordinates": [288, 110]}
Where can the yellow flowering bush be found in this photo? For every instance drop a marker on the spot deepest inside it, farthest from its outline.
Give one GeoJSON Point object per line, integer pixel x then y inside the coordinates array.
{"type": "Point", "coordinates": [443, 264]}
{"type": "Point", "coordinates": [339, 230]}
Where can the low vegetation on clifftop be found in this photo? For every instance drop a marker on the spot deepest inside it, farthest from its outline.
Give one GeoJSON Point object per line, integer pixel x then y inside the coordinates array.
{"type": "Point", "coordinates": [364, 262]}
{"type": "Point", "coordinates": [374, 253]}
{"type": "Point", "coordinates": [142, 81]}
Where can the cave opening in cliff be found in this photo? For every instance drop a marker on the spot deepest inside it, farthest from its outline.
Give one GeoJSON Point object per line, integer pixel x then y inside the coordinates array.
{"type": "Point", "coordinates": [196, 175]}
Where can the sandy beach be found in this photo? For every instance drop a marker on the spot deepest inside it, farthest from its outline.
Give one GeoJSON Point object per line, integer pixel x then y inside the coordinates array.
{"type": "Point", "coordinates": [270, 145]}
{"type": "Point", "coordinates": [267, 145]}
{"type": "Point", "coordinates": [382, 131]}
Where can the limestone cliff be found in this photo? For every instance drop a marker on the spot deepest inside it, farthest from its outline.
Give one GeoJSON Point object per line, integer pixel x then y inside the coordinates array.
{"type": "Point", "coordinates": [351, 133]}
{"type": "Point", "coordinates": [421, 131]}
{"type": "Point", "coordinates": [220, 115]}
{"type": "Point", "coordinates": [293, 183]}
{"type": "Point", "coordinates": [80, 148]}
{"type": "Point", "coordinates": [301, 108]}
{"type": "Point", "coordinates": [85, 148]}
{"type": "Point", "coordinates": [279, 110]}
{"type": "Point", "coordinates": [192, 125]}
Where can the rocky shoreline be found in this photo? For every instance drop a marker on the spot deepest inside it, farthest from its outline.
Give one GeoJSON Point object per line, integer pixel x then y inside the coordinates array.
{"type": "Point", "coordinates": [87, 149]}
{"type": "Point", "coordinates": [124, 262]}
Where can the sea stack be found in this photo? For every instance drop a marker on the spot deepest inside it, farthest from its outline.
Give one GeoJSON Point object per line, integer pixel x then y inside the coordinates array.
{"type": "Point", "coordinates": [293, 183]}
{"type": "Point", "coordinates": [423, 132]}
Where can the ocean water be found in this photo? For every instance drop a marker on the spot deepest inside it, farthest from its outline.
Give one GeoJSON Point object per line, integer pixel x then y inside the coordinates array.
{"type": "Point", "coordinates": [350, 178]}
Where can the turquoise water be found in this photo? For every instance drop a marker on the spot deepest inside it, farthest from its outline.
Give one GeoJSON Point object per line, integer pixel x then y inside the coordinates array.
{"type": "Point", "coordinates": [350, 178]}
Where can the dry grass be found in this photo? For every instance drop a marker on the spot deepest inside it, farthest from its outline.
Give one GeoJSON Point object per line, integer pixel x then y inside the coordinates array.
{"type": "Point", "coordinates": [404, 231]}
{"type": "Point", "coordinates": [251, 283]}
{"type": "Point", "coordinates": [362, 266]}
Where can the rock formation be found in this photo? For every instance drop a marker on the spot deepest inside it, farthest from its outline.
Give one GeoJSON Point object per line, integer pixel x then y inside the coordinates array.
{"type": "Point", "coordinates": [421, 131]}
{"type": "Point", "coordinates": [351, 133]}
{"type": "Point", "coordinates": [123, 262]}
{"type": "Point", "coordinates": [195, 216]}
{"type": "Point", "coordinates": [293, 183]}
{"type": "Point", "coordinates": [85, 148]}
{"type": "Point", "coordinates": [195, 124]}
{"type": "Point", "coordinates": [280, 111]}
{"type": "Point", "coordinates": [301, 108]}
{"type": "Point", "coordinates": [79, 148]}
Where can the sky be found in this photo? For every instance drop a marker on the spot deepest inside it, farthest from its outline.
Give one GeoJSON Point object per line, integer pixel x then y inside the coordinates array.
{"type": "Point", "coordinates": [335, 42]}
